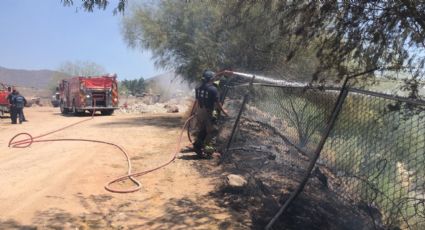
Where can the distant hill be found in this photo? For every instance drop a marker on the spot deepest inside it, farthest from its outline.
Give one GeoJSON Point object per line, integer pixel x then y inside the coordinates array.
{"type": "Point", "coordinates": [40, 79]}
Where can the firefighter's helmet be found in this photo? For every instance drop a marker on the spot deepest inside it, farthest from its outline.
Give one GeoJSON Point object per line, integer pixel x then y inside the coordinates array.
{"type": "Point", "coordinates": [208, 75]}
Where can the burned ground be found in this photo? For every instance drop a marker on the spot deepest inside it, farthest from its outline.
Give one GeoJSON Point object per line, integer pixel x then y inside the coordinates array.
{"type": "Point", "coordinates": [273, 170]}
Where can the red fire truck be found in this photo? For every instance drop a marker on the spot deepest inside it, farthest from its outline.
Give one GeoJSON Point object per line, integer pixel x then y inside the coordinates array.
{"type": "Point", "coordinates": [81, 94]}
{"type": "Point", "coordinates": [4, 104]}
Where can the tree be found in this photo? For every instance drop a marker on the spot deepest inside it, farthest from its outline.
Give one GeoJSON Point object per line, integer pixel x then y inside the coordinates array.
{"type": "Point", "coordinates": [56, 78]}
{"type": "Point", "coordinates": [77, 68]}
{"type": "Point", "coordinates": [195, 35]}
{"type": "Point", "coordinates": [332, 38]}
{"type": "Point", "coordinates": [90, 5]}
{"type": "Point", "coordinates": [354, 35]}
{"type": "Point", "coordinates": [136, 86]}
{"type": "Point", "coordinates": [81, 68]}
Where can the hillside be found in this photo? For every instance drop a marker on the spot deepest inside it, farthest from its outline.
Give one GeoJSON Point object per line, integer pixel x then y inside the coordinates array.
{"type": "Point", "coordinates": [40, 79]}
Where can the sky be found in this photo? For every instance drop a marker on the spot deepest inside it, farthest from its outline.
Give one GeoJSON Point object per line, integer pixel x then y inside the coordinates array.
{"type": "Point", "coordinates": [44, 34]}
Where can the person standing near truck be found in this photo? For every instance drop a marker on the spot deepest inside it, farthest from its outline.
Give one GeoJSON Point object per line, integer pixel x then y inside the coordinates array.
{"type": "Point", "coordinates": [19, 103]}
{"type": "Point", "coordinates": [13, 114]}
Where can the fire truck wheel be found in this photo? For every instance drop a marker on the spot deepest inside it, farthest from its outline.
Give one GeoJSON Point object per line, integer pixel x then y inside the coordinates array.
{"type": "Point", "coordinates": [107, 112]}
{"type": "Point", "coordinates": [62, 108]}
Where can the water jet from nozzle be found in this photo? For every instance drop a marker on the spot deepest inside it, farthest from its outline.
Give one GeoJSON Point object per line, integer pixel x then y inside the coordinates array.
{"type": "Point", "coordinates": [265, 79]}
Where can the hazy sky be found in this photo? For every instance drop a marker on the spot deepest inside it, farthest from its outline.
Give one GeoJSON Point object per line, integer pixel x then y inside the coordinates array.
{"type": "Point", "coordinates": [42, 34]}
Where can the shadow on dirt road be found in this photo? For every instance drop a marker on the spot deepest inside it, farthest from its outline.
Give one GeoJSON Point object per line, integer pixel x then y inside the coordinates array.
{"type": "Point", "coordinates": [185, 213]}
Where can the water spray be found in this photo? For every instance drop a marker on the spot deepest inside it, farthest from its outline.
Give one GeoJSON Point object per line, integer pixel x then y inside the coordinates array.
{"type": "Point", "coordinates": [262, 78]}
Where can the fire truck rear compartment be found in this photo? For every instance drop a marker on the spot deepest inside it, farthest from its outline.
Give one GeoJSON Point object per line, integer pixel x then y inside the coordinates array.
{"type": "Point", "coordinates": [100, 98]}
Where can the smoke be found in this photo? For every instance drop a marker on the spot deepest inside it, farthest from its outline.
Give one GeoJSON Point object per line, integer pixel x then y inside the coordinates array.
{"type": "Point", "coordinates": [169, 86]}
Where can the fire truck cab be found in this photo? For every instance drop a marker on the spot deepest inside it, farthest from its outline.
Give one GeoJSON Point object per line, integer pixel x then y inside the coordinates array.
{"type": "Point", "coordinates": [4, 103]}
{"type": "Point", "coordinates": [81, 94]}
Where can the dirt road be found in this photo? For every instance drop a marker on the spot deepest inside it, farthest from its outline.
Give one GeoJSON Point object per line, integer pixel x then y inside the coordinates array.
{"type": "Point", "coordinates": [61, 185]}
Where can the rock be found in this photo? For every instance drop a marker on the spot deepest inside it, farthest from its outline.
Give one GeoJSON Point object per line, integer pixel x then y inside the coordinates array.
{"type": "Point", "coordinates": [271, 156]}
{"type": "Point", "coordinates": [141, 107]}
{"type": "Point", "coordinates": [216, 155]}
{"type": "Point", "coordinates": [236, 182]}
{"type": "Point", "coordinates": [172, 109]}
{"type": "Point", "coordinates": [120, 217]}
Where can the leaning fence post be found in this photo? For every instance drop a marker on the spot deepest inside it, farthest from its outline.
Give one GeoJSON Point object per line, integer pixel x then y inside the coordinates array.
{"type": "Point", "coordinates": [226, 90]}
{"type": "Point", "coordinates": [235, 125]}
{"type": "Point", "coordinates": [335, 112]}
{"type": "Point", "coordinates": [224, 95]}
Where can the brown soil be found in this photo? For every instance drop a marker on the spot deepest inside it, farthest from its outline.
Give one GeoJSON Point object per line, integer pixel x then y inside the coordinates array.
{"type": "Point", "coordinates": [60, 185]}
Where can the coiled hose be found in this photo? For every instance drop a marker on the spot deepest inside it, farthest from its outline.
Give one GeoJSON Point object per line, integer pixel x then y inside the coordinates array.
{"type": "Point", "coordinates": [130, 175]}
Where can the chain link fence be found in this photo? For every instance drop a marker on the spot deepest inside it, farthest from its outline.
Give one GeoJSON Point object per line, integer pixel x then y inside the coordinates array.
{"type": "Point", "coordinates": [372, 159]}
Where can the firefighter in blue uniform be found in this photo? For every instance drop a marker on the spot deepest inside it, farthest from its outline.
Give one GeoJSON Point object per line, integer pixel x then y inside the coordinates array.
{"type": "Point", "coordinates": [19, 103]}
{"type": "Point", "coordinates": [207, 100]}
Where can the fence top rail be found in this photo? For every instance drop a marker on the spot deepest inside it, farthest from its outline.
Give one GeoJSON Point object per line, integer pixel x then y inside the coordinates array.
{"type": "Point", "coordinates": [388, 96]}
{"type": "Point", "coordinates": [334, 88]}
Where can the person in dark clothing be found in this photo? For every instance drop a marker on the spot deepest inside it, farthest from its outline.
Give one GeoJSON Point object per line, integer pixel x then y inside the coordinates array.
{"type": "Point", "coordinates": [13, 112]}
{"type": "Point", "coordinates": [19, 103]}
{"type": "Point", "coordinates": [207, 99]}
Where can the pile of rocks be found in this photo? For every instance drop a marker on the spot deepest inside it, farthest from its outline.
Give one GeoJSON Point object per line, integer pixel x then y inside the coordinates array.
{"type": "Point", "coordinates": [141, 107]}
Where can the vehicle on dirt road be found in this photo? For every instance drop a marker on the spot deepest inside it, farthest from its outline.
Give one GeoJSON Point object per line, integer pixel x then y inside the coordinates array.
{"type": "Point", "coordinates": [55, 100]}
{"type": "Point", "coordinates": [81, 94]}
{"type": "Point", "coordinates": [4, 103]}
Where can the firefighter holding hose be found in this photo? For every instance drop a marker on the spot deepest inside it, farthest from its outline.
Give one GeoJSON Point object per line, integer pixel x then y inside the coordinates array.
{"type": "Point", "coordinates": [207, 100]}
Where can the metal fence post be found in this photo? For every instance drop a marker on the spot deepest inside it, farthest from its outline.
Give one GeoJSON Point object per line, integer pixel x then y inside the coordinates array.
{"type": "Point", "coordinates": [235, 125]}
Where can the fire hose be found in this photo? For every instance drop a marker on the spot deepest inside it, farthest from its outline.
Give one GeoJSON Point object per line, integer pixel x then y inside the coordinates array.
{"type": "Point", "coordinates": [129, 176]}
